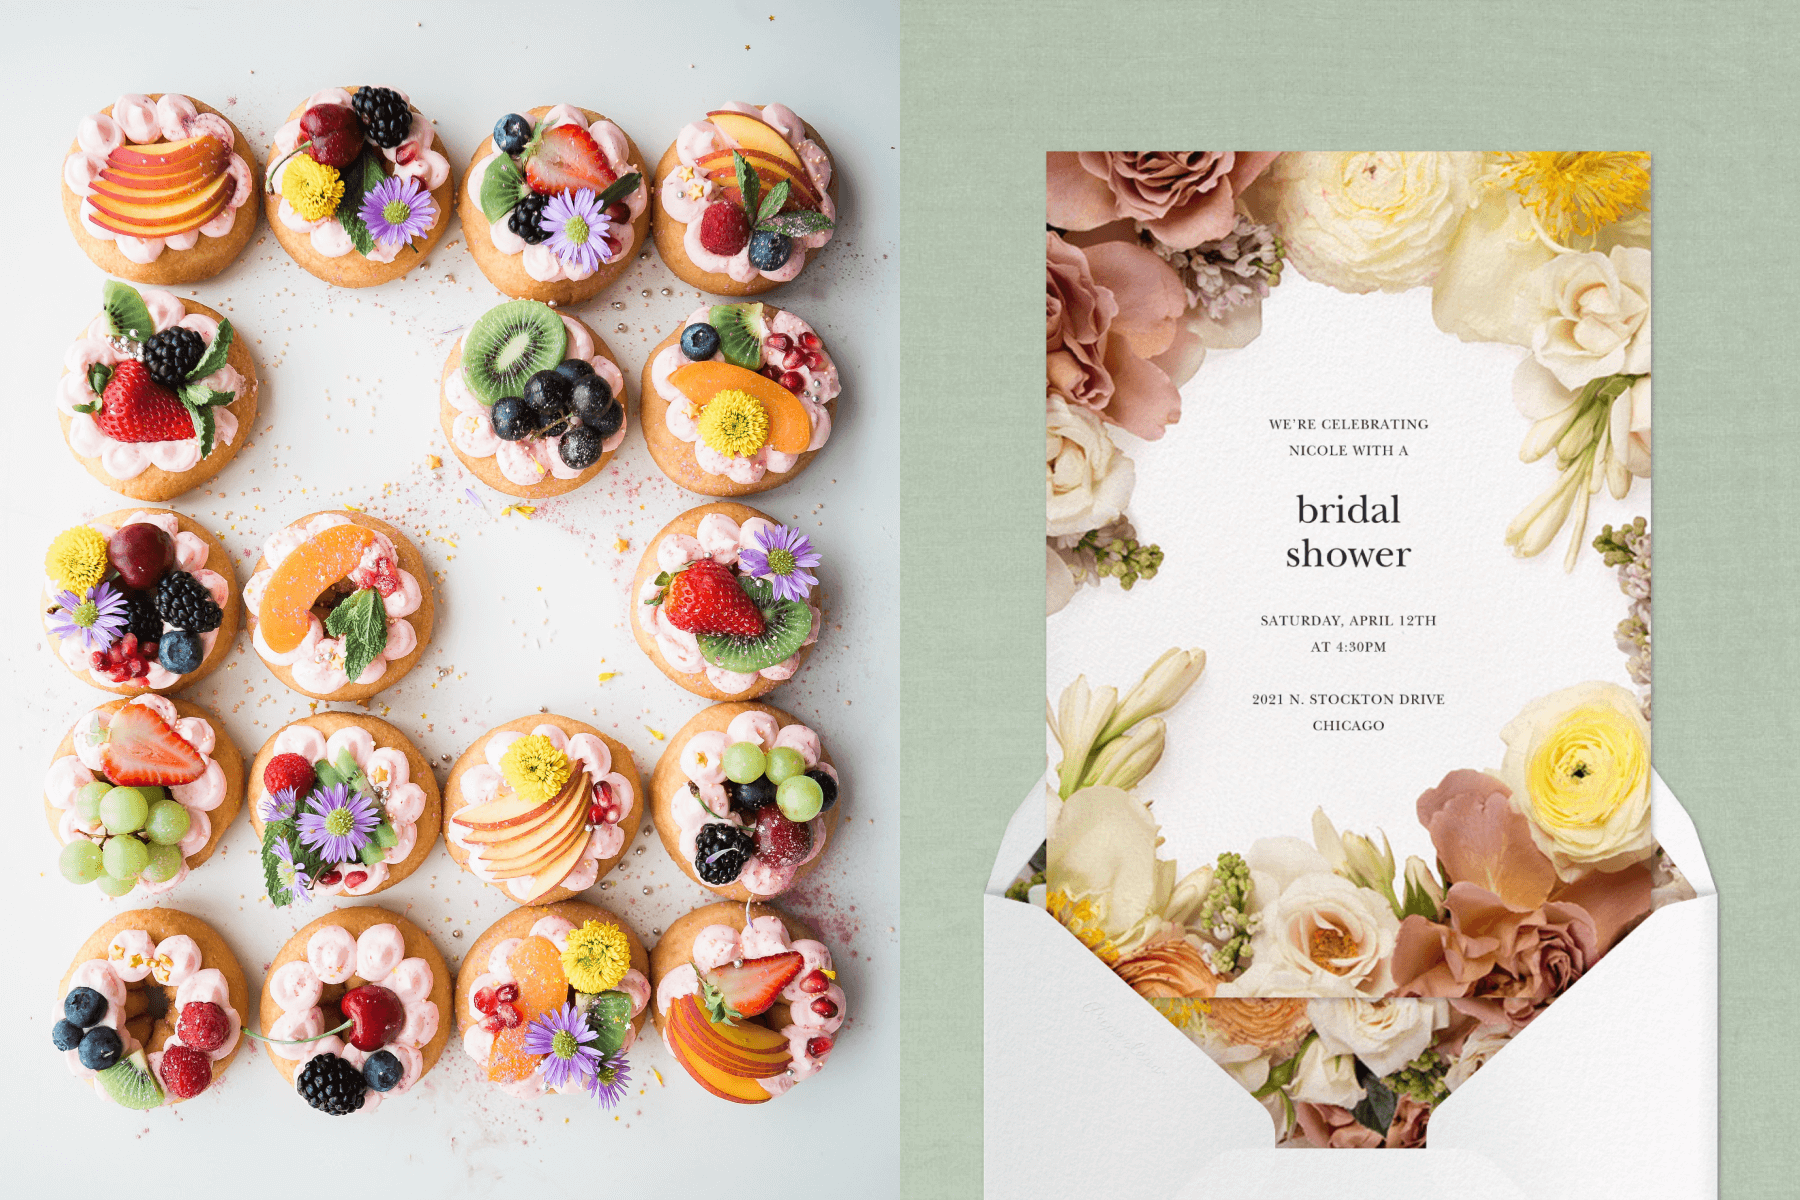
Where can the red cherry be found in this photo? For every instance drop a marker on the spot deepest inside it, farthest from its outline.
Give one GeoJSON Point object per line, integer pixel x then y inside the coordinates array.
{"type": "Point", "coordinates": [377, 1014]}
{"type": "Point", "coordinates": [810, 340]}
{"type": "Point", "coordinates": [818, 1047]}
{"type": "Point", "coordinates": [793, 381]}
{"type": "Point", "coordinates": [777, 341]}
{"type": "Point", "coordinates": [825, 1008]}
{"type": "Point", "coordinates": [335, 134]}
{"type": "Point", "coordinates": [141, 554]}
{"type": "Point", "coordinates": [815, 983]}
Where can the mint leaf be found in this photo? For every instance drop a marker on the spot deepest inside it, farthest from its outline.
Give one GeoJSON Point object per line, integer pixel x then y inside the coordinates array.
{"type": "Point", "coordinates": [749, 183]}
{"type": "Point", "coordinates": [198, 395]}
{"type": "Point", "coordinates": [502, 188]}
{"type": "Point", "coordinates": [361, 177]}
{"type": "Point", "coordinates": [204, 425]}
{"type": "Point", "coordinates": [772, 202]}
{"type": "Point", "coordinates": [610, 1016]}
{"type": "Point", "coordinates": [97, 376]}
{"type": "Point", "coordinates": [618, 189]}
{"type": "Point", "coordinates": [361, 621]}
{"type": "Point", "coordinates": [279, 896]}
{"type": "Point", "coordinates": [214, 358]}
{"type": "Point", "coordinates": [126, 312]}
{"type": "Point", "coordinates": [796, 224]}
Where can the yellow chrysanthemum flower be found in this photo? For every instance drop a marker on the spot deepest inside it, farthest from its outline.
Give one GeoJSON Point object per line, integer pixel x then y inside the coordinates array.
{"type": "Point", "coordinates": [735, 424]}
{"type": "Point", "coordinates": [1578, 191]}
{"type": "Point", "coordinates": [534, 768]}
{"type": "Point", "coordinates": [313, 188]}
{"type": "Point", "coordinates": [596, 957]}
{"type": "Point", "coordinates": [77, 559]}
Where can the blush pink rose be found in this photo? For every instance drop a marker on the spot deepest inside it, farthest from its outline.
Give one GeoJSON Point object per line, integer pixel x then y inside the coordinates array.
{"type": "Point", "coordinates": [1332, 1127]}
{"type": "Point", "coordinates": [1482, 839]}
{"type": "Point", "coordinates": [1183, 197]}
{"type": "Point", "coordinates": [1109, 310]}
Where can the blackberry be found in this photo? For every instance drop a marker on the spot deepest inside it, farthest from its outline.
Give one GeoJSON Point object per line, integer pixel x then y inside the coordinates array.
{"type": "Point", "coordinates": [720, 852]}
{"type": "Point", "coordinates": [331, 1085]}
{"type": "Point", "coordinates": [827, 785]}
{"type": "Point", "coordinates": [184, 602]}
{"type": "Point", "coordinates": [142, 618]}
{"type": "Point", "coordinates": [580, 448]}
{"type": "Point", "coordinates": [385, 116]}
{"type": "Point", "coordinates": [171, 354]}
{"type": "Point", "coordinates": [527, 219]}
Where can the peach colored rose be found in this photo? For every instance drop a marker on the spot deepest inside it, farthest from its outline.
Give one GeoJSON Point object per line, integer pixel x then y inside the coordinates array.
{"type": "Point", "coordinates": [1168, 968]}
{"type": "Point", "coordinates": [1331, 1127]}
{"type": "Point", "coordinates": [1183, 197]}
{"type": "Point", "coordinates": [1407, 1131]}
{"type": "Point", "coordinates": [1482, 839]}
{"type": "Point", "coordinates": [1109, 309]}
{"type": "Point", "coordinates": [1262, 1023]}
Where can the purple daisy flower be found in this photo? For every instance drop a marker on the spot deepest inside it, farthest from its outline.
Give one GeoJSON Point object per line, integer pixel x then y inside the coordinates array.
{"type": "Point", "coordinates": [278, 807]}
{"type": "Point", "coordinates": [398, 210]}
{"type": "Point", "coordinates": [562, 1037]}
{"type": "Point", "coordinates": [340, 823]}
{"type": "Point", "coordinates": [612, 1076]}
{"type": "Point", "coordinates": [292, 874]}
{"type": "Point", "coordinates": [781, 556]}
{"type": "Point", "coordinates": [576, 224]}
{"type": "Point", "coordinates": [97, 618]}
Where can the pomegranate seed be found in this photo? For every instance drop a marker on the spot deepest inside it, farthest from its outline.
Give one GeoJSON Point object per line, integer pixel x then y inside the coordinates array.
{"type": "Point", "coordinates": [407, 151]}
{"type": "Point", "coordinates": [773, 372]}
{"type": "Point", "coordinates": [815, 983]}
{"type": "Point", "coordinates": [492, 1024]}
{"type": "Point", "coordinates": [506, 1014]}
{"type": "Point", "coordinates": [793, 360]}
{"type": "Point", "coordinates": [507, 992]}
{"type": "Point", "coordinates": [814, 360]}
{"type": "Point", "coordinates": [810, 340]}
{"type": "Point", "coordinates": [793, 381]}
{"type": "Point", "coordinates": [596, 813]}
{"type": "Point", "coordinates": [618, 211]}
{"type": "Point", "coordinates": [484, 1000]}
{"type": "Point", "coordinates": [818, 1047]}
{"type": "Point", "coordinates": [824, 1007]}
{"type": "Point", "coordinates": [777, 341]}
{"type": "Point", "coordinates": [330, 878]}
{"type": "Point", "coordinates": [356, 879]}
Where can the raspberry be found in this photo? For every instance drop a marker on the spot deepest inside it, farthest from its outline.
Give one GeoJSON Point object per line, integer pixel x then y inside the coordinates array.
{"type": "Point", "coordinates": [724, 230]}
{"type": "Point", "coordinates": [185, 1070]}
{"type": "Point", "coordinates": [203, 1025]}
{"type": "Point", "coordinates": [288, 771]}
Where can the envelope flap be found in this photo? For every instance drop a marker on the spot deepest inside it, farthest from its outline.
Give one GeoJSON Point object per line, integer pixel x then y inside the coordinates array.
{"type": "Point", "coordinates": [1025, 832]}
{"type": "Point", "coordinates": [1675, 832]}
{"type": "Point", "coordinates": [1355, 1175]}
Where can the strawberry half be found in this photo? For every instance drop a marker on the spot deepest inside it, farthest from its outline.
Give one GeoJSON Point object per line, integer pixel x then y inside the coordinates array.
{"type": "Point", "coordinates": [749, 988]}
{"type": "Point", "coordinates": [565, 159]}
{"type": "Point", "coordinates": [705, 598]}
{"type": "Point", "coordinates": [143, 750]}
{"type": "Point", "coordinates": [135, 408]}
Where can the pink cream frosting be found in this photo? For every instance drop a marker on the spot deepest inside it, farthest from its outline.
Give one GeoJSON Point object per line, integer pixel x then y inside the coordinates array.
{"type": "Point", "coordinates": [720, 538]}
{"type": "Point", "coordinates": [686, 191]}
{"type": "Point", "coordinates": [483, 782]}
{"type": "Point", "coordinates": [540, 261]}
{"type": "Point", "coordinates": [128, 460]}
{"type": "Point", "coordinates": [820, 387]}
{"type": "Point", "coordinates": [532, 460]}
{"type": "Point", "coordinates": [138, 120]}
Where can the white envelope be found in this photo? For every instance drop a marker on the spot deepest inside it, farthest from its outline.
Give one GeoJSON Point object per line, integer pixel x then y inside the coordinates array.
{"type": "Point", "coordinates": [1612, 1092]}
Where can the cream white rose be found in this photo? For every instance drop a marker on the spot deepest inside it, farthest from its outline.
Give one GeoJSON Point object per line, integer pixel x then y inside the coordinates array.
{"type": "Point", "coordinates": [1102, 865]}
{"type": "Point", "coordinates": [1589, 314]}
{"type": "Point", "coordinates": [1316, 933]}
{"type": "Point", "coordinates": [1326, 1078]}
{"type": "Point", "coordinates": [1384, 1034]}
{"type": "Point", "coordinates": [1477, 1048]}
{"type": "Point", "coordinates": [1087, 481]}
{"type": "Point", "coordinates": [1578, 764]}
{"type": "Point", "coordinates": [1369, 220]}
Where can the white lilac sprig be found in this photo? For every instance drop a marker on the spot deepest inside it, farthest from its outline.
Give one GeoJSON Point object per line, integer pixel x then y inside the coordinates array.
{"type": "Point", "coordinates": [1628, 549]}
{"type": "Point", "coordinates": [96, 617]}
{"type": "Point", "coordinates": [397, 210]}
{"type": "Point", "coordinates": [781, 557]}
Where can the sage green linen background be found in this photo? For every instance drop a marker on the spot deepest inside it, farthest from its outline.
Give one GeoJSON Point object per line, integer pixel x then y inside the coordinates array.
{"type": "Point", "coordinates": [1710, 89]}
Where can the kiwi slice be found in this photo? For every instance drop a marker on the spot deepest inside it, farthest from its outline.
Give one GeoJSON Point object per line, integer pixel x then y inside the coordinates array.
{"type": "Point", "coordinates": [785, 626]}
{"type": "Point", "coordinates": [126, 311]}
{"type": "Point", "coordinates": [509, 345]}
{"type": "Point", "coordinates": [130, 1083]}
{"type": "Point", "coordinates": [741, 328]}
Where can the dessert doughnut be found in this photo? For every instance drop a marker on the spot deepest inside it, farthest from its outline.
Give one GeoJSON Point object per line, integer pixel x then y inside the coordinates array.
{"type": "Point", "coordinates": [745, 799]}
{"type": "Point", "coordinates": [542, 807]}
{"type": "Point", "coordinates": [371, 976]}
{"type": "Point", "coordinates": [140, 600]}
{"type": "Point", "coordinates": [139, 793]}
{"type": "Point", "coordinates": [157, 394]}
{"type": "Point", "coordinates": [738, 399]}
{"type": "Point", "coordinates": [532, 400]}
{"type": "Point", "coordinates": [746, 999]}
{"type": "Point", "coordinates": [554, 204]}
{"type": "Point", "coordinates": [343, 805]}
{"type": "Point", "coordinates": [725, 602]}
{"type": "Point", "coordinates": [125, 160]}
{"type": "Point", "coordinates": [568, 968]}
{"type": "Point", "coordinates": [359, 186]}
{"type": "Point", "coordinates": [720, 239]}
{"type": "Point", "coordinates": [152, 1009]}
{"type": "Point", "coordinates": [335, 590]}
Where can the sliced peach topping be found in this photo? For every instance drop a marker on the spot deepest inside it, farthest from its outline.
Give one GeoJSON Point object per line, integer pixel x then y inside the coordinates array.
{"type": "Point", "coordinates": [302, 576]}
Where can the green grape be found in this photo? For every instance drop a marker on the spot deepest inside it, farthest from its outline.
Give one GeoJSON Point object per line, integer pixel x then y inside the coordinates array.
{"type": "Point", "coordinates": [123, 810]}
{"type": "Point", "coordinates": [165, 862]}
{"type": "Point", "coordinates": [785, 762]}
{"type": "Point", "coordinates": [152, 794]}
{"type": "Point", "coordinates": [87, 800]}
{"type": "Point", "coordinates": [744, 762]}
{"type": "Point", "coordinates": [167, 823]}
{"type": "Point", "coordinates": [800, 798]}
{"type": "Point", "coordinates": [81, 861]}
{"type": "Point", "coordinates": [114, 887]}
{"type": "Point", "coordinates": [126, 857]}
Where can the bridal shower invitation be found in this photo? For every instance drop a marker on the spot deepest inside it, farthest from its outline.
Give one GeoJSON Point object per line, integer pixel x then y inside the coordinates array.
{"type": "Point", "coordinates": [1348, 556]}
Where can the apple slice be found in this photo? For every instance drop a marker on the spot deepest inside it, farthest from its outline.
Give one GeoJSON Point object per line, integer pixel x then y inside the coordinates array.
{"type": "Point", "coordinates": [790, 429]}
{"type": "Point", "coordinates": [509, 812]}
{"type": "Point", "coordinates": [535, 861]}
{"type": "Point", "coordinates": [169, 155]}
{"type": "Point", "coordinates": [753, 133]}
{"type": "Point", "coordinates": [164, 218]}
{"type": "Point", "coordinates": [553, 874]}
{"type": "Point", "coordinates": [720, 168]}
{"type": "Point", "coordinates": [555, 812]}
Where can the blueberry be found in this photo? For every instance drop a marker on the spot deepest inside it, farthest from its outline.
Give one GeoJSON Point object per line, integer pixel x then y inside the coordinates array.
{"type": "Point", "coordinates": [180, 651]}
{"type": "Point", "coordinates": [827, 784]}
{"type": "Point", "coordinates": [575, 369]}
{"type": "Point", "coordinates": [511, 132]}
{"type": "Point", "coordinates": [65, 1035]}
{"type": "Point", "coordinates": [759, 793]}
{"type": "Point", "coordinates": [580, 448]}
{"type": "Point", "coordinates": [549, 395]}
{"type": "Point", "coordinates": [699, 341]}
{"type": "Point", "coordinates": [382, 1071]}
{"type": "Point", "coordinates": [608, 421]}
{"type": "Point", "coordinates": [769, 250]}
{"type": "Point", "coordinates": [591, 397]}
{"type": "Point", "coordinates": [84, 1006]}
{"type": "Point", "coordinates": [512, 420]}
{"type": "Point", "coordinates": [100, 1048]}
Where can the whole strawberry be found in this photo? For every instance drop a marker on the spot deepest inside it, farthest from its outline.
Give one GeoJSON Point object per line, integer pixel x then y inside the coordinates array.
{"type": "Point", "coordinates": [135, 408]}
{"type": "Point", "coordinates": [288, 771]}
{"type": "Point", "coordinates": [186, 1071]}
{"type": "Point", "coordinates": [705, 598]}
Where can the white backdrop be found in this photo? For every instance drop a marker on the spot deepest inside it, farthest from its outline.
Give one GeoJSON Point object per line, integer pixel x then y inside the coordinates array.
{"type": "Point", "coordinates": [530, 611]}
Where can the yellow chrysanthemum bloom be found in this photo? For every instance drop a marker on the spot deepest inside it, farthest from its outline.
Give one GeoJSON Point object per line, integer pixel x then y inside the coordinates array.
{"type": "Point", "coordinates": [735, 424]}
{"type": "Point", "coordinates": [596, 957]}
{"type": "Point", "coordinates": [77, 559]}
{"type": "Point", "coordinates": [313, 188]}
{"type": "Point", "coordinates": [534, 768]}
{"type": "Point", "coordinates": [1578, 191]}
